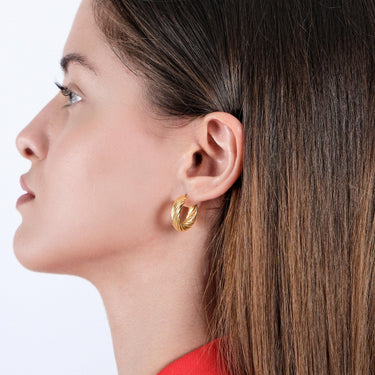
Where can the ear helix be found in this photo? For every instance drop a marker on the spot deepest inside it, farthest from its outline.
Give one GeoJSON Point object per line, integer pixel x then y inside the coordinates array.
{"type": "Point", "coordinates": [176, 212]}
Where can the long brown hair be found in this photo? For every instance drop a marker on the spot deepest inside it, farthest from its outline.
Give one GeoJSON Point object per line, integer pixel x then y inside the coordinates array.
{"type": "Point", "coordinates": [292, 254]}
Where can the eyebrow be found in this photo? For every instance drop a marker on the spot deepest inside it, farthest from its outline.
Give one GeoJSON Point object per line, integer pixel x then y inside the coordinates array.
{"type": "Point", "coordinates": [78, 58]}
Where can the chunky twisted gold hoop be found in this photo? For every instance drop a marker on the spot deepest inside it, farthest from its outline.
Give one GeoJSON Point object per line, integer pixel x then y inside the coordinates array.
{"type": "Point", "coordinates": [175, 215]}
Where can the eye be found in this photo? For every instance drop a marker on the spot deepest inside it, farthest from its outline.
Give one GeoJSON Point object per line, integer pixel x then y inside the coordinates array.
{"type": "Point", "coordinates": [73, 97]}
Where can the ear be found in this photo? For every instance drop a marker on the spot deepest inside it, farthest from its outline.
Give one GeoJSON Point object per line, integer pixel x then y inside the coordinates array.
{"type": "Point", "coordinates": [213, 161]}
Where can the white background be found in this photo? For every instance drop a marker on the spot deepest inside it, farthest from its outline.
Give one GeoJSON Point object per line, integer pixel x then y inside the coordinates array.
{"type": "Point", "coordinates": [49, 324]}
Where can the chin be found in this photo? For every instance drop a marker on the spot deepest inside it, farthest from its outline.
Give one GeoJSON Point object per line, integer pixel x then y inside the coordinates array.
{"type": "Point", "coordinates": [22, 249]}
{"type": "Point", "coordinates": [35, 256]}
{"type": "Point", "coordinates": [51, 255]}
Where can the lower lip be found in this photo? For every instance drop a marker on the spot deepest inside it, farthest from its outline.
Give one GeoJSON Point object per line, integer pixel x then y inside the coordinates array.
{"type": "Point", "coordinates": [25, 198]}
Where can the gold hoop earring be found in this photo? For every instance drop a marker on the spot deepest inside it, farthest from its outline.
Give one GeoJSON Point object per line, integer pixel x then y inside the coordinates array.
{"type": "Point", "coordinates": [175, 215]}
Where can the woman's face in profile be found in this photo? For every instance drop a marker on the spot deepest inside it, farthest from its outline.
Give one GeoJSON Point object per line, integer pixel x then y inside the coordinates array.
{"type": "Point", "coordinates": [102, 164]}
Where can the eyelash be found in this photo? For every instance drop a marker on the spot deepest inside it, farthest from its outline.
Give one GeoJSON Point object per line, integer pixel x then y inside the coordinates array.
{"type": "Point", "coordinates": [73, 97]}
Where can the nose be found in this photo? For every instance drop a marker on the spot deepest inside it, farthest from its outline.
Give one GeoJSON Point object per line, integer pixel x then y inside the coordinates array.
{"type": "Point", "coordinates": [32, 142]}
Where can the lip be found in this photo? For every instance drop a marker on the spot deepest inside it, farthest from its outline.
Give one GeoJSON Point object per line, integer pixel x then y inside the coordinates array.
{"type": "Point", "coordinates": [25, 187]}
{"type": "Point", "coordinates": [29, 196]}
{"type": "Point", "coordinates": [24, 198]}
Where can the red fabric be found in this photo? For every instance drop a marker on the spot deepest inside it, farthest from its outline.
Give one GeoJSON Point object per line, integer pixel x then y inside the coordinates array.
{"type": "Point", "coordinates": [202, 361]}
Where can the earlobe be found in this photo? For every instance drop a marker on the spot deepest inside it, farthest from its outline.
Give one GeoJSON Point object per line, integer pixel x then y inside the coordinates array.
{"type": "Point", "coordinates": [216, 162]}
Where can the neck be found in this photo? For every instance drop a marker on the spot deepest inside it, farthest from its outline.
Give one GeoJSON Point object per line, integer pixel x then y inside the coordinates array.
{"type": "Point", "coordinates": [154, 307]}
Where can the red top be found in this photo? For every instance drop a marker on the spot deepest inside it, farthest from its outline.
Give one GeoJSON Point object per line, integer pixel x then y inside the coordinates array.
{"type": "Point", "coordinates": [201, 361]}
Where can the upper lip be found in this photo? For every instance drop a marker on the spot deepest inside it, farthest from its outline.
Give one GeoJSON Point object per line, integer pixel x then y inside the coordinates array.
{"type": "Point", "coordinates": [25, 187]}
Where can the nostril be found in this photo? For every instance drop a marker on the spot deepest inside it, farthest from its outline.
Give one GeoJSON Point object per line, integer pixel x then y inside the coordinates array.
{"type": "Point", "coordinates": [32, 143]}
{"type": "Point", "coordinates": [28, 152]}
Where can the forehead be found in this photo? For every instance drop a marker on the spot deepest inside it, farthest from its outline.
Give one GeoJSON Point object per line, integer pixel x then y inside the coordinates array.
{"type": "Point", "coordinates": [86, 39]}
{"type": "Point", "coordinates": [83, 32]}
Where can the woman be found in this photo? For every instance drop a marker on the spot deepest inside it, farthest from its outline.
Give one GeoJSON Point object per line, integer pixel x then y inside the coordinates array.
{"type": "Point", "coordinates": [259, 116]}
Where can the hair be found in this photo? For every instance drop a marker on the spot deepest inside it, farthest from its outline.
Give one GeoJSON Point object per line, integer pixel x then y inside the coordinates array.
{"type": "Point", "coordinates": [291, 280]}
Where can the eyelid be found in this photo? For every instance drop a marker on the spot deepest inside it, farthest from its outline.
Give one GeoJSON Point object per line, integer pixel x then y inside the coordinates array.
{"type": "Point", "coordinates": [66, 91]}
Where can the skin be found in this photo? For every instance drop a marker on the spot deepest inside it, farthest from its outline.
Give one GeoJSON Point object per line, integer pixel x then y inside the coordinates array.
{"type": "Point", "coordinates": [105, 172]}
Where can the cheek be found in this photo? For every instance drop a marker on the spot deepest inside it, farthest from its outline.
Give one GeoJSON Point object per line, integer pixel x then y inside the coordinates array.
{"type": "Point", "coordinates": [101, 193]}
